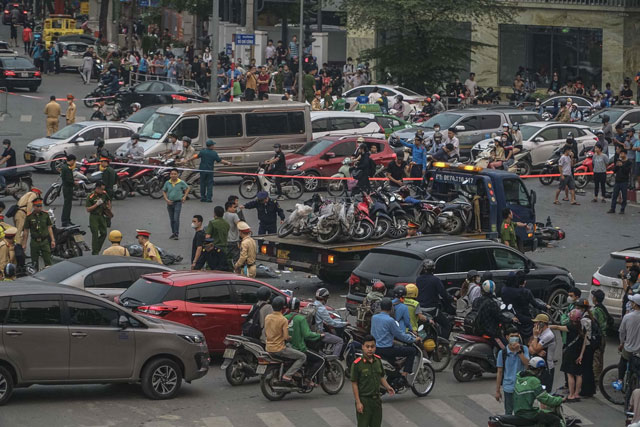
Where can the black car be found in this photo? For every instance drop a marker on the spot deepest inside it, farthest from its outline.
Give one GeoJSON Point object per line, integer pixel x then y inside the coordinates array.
{"type": "Point", "coordinates": [19, 71]}
{"type": "Point", "coordinates": [9, 13]}
{"type": "Point", "coordinates": [156, 92]}
{"type": "Point", "coordinates": [400, 262]}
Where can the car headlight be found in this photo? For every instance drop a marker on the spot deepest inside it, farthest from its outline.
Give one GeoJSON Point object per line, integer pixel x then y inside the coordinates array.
{"type": "Point", "coordinates": [193, 339]}
{"type": "Point", "coordinates": [46, 147]}
{"type": "Point", "coordinates": [297, 165]}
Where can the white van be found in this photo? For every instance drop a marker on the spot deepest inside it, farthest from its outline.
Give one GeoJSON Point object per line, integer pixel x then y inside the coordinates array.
{"type": "Point", "coordinates": [344, 123]}
{"type": "Point", "coordinates": [244, 132]}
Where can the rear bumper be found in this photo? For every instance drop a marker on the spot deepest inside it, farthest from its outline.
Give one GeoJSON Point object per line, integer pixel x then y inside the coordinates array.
{"type": "Point", "coordinates": [22, 82]}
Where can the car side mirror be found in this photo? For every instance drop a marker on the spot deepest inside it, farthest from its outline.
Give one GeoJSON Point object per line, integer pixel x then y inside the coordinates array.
{"type": "Point", "coordinates": [78, 140]}
{"type": "Point", "coordinates": [329, 155]}
{"type": "Point", "coordinates": [460, 128]}
{"type": "Point", "coordinates": [538, 139]}
{"type": "Point", "coordinates": [123, 322]}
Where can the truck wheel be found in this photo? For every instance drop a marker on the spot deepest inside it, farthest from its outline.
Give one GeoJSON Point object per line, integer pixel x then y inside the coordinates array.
{"type": "Point", "coordinates": [333, 277]}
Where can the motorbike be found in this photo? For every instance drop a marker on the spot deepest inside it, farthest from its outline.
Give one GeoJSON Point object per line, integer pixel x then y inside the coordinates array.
{"type": "Point", "coordinates": [17, 184]}
{"type": "Point", "coordinates": [455, 216]}
{"type": "Point", "coordinates": [83, 185]}
{"type": "Point", "coordinates": [69, 240]}
{"type": "Point", "coordinates": [440, 355]}
{"type": "Point", "coordinates": [138, 180]}
{"type": "Point", "coordinates": [335, 220]}
{"type": "Point", "coordinates": [551, 166]}
{"type": "Point", "coordinates": [520, 163]}
{"type": "Point", "coordinates": [303, 219]}
{"type": "Point", "coordinates": [161, 176]}
{"type": "Point", "coordinates": [241, 358]}
{"type": "Point", "coordinates": [382, 222]}
{"type": "Point", "coordinates": [514, 421]}
{"type": "Point", "coordinates": [101, 91]}
{"type": "Point", "coordinates": [587, 167]}
{"type": "Point", "coordinates": [250, 186]}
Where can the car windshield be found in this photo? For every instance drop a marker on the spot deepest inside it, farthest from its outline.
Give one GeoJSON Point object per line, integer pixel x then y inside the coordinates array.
{"type": "Point", "coordinates": [613, 116]}
{"type": "Point", "coordinates": [16, 63]}
{"type": "Point", "coordinates": [59, 272]}
{"type": "Point", "coordinates": [445, 120]}
{"type": "Point", "coordinates": [528, 131]}
{"type": "Point", "coordinates": [157, 125]}
{"type": "Point", "coordinates": [143, 292]}
{"type": "Point", "coordinates": [315, 147]}
{"type": "Point", "coordinates": [389, 264]}
{"type": "Point", "coordinates": [613, 267]}
{"type": "Point", "coordinates": [406, 91]}
{"type": "Point", "coordinates": [141, 116]}
{"type": "Point", "coordinates": [68, 131]}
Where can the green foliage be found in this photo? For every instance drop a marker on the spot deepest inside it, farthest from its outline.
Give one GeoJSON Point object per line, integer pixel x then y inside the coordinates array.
{"type": "Point", "coordinates": [420, 43]}
{"type": "Point", "coordinates": [200, 8]}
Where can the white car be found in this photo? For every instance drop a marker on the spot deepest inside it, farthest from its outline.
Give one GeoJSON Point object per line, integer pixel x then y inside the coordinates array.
{"type": "Point", "coordinates": [607, 278]}
{"type": "Point", "coordinates": [344, 123]}
{"type": "Point", "coordinates": [391, 91]}
{"type": "Point", "coordinates": [72, 55]}
{"type": "Point", "coordinates": [542, 138]}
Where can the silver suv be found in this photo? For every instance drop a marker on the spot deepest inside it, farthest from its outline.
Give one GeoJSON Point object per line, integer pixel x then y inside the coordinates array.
{"type": "Point", "coordinates": [608, 279]}
{"type": "Point", "coordinates": [55, 334]}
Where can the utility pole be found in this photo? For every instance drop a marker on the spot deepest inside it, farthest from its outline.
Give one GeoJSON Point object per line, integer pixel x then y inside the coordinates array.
{"type": "Point", "coordinates": [300, 53]}
{"type": "Point", "coordinates": [214, 35]}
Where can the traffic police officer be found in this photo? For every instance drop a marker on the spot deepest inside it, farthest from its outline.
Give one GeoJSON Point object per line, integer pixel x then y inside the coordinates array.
{"type": "Point", "coordinates": [115, 237]}
{"type": "Point", "coordinates": [149, 250]}
{"type": "Point", "coordinates": [25, 207]}
{"type": "Point", "coordinates": [7, 247]}
{"type": "Point", "coordinates": [66, 175]}
{"type": "Point", "coordinates": [52, 111]}
{"type": "Point", "coordinates": [41, 228]}
{"type": "Point", "coordinates": [98, 206]}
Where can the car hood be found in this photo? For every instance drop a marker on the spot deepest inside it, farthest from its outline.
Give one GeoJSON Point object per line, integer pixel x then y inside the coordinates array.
{"type": "Point", "coordinates": [295, 158]}
{"type": "Point", "coordinates": [552, 269]}
{"type": "Point", "coordinates": [43, 142]}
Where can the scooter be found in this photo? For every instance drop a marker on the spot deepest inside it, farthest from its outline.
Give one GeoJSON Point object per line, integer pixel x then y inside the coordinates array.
{"type": "Point", "coordinates": [250, 186]}
{"type": "Point", "coordinates": [17, 185]}
{"type": "Point", "coordinates": [69, 240]}
{"type": "Point", "coordinates": [515, 421]}
{"type": "Point", "coordinates": [241, 358]}
{"type": "Point", "coordinates": [587, 167]}
{"type": "Point", "coordinates": [436, 346]}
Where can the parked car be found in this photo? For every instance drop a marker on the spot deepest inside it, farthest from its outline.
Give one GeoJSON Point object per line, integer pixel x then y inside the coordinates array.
{"type": "Point", "coordinates": [344, 123]}
{"type": "Point", "coordinates": [56, 334]}
{"type": "Point", "coordinates": [324, 156]}
{"type": "Point", "coordinates": [156, 92]}
{"type": "Point", "coordinates": [608, 278]}
{"type": "Point", "coordinates": [391, 91]}
{"type": "Point", "coordinates": [104, 275]}
{"type": "Point", "coordinates": [400, 262]}
{"type": "Point", "coordinates": [472, 124]}
{"type": "Point", "coordinates": [72, 55]}
{"type": "Point", "coordinates": [137, 119]}
{"type": "Point", "coordinates": [211, 302]}
{"type": "Point", "coordinates": [19, 72]}
{"type": "Point", "coordinates": [4, 46]}
{"type": "Point", "coordinates": [584, 104]}
{"type": "Point", "coordinates": [76, 139]}
{"type": "Point", "coordinates": [543, 138]}
{"type": "Point", "coordinates": [624, 114]}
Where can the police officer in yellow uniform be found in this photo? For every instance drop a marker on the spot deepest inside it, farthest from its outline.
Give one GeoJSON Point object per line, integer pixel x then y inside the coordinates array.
{"type": "Point", "coordinates": [70, 115]}
{"type": "Point", "coordinates": [98, 204]}
{"type": "Point", "coordinates": [25, 207]}
{"type": "Point", "coordinates": [149, 250]}
{"type": "Point", "coordinates": [7, 247]}
{"type": "Point", "coordinates": [246, 264]}
{"type": "Point", "coordinates": [41, 228]}
{"type": "Point", "coordinates": [367, 375]}
{"type": "Point", "coordinates": [52, 111]}
{"type": "Point", "coordinates": [115, 237]}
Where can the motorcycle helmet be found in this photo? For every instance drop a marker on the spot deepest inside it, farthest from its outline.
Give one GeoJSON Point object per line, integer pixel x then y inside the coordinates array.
{"type": "Point", "coordinates": [346, 161]}
{"type": "Point", "coordinates": [436, 96]}
{"type": "Point", "coordinates": [136, 106]}
{"type": "Point", "coordinates": [98, 142]}
{"type": "Point", "coordinates": [9, 270]}
{"type": "Point", "coordinates": [429, 345]}
{"type": "Point", "coordinates": [400, 98]}
{"type": "Point", "coordinates": [135, 136]}
{"type": "Point", "coordinates": [575, 315]}
{"type": "Point", "coordinates": [294, 304]}
{"type": "Point", "coordinates": [428, 265]}
{"type": "Point", "coordinates": [115, 236]}
{"type": "Point", "coordinates": [437, 137]}
{"type": "Point", "coordinates": [428, 100]}
{"type": "Point", "coordinates": [489, 287]}
{"type": "Point", "coordinates": [399, 291]}
{"type": "Point", "coordinates": [263, 294]}
{"type": "Point", "coordinates": [412, 290]}
{"type": "Point", "coordinates": [278, 303]}
{"type": "Point", "coordinates": [537, 362]}
{"type": "Point", "coordinates": [379, 287]}
{"type": "Point", "coordinates": [472, 274]}
{"type": "Point", "coordinates": [322, 293]}
{"type": "Point", "coordinates": [386, 304]}
{"type": "Point", "coordinates": [505, 125]}
{"type": "Point", "coordinates": [605, 118]}
{"type": "Point", "coordinates": [186, 139]}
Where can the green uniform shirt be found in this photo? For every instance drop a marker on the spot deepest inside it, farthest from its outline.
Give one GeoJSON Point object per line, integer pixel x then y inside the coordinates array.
{"type": "Point", "coordinates": [66, 175]}
{"type": "Point", "coordinates": [93, 198]}
{"type": "Point", "coordinates": [367, 375]}
{"type": "Point", "coordinates": [218, 229]}
{"type": "Point", "coordinates": [328, 101]}
{"type": "Point", "coordinates": [339, 104]}
{"type": "Point", "coordinates": [38, 224]}
{"type": "Point", "coordinates": [601, 318]}
{"type": "Point", "coordinates": [307, 87]}
{"type": "Point", "coordinates": [508, 233]}
{"type": "Point", "coordinates": [109, 178]}
{"type": "Point", "coordinates": [528, 389]}
{"type": "Point", "coordinates": [300, 332]}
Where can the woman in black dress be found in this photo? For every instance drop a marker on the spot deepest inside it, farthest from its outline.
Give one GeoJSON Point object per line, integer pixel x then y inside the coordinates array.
{"type": "Point", "coordinates": [572, 359]}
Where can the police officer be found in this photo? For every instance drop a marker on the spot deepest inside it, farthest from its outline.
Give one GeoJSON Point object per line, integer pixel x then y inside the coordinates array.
{"type": "Point", "coordinates": [98, 205]}
{"type": "Point", "coordinates": [66, 175]}
{"type": "Point", "coordinates": [115, 237]}
{"type": "Point", "coordinates": [25, 207]}
{"type": "Point", "coordinates": [108, 176]}
{"type": "Point", "coordinates": [248, 252]}
{"type": "Point", "coordinates": [149, 251]}
{"type": "Point", "coordinates": [212, 256]}
{"type": "Point", "coordinates": [7, 247]}
{"type": "Point", "coordinates": [268, 213]}
{"type": "Point", "coordinates": [52, 111]}
{"type": "Point", "coordinates": [508, 230]}
{"type": "Point", "coordinates": [367, 375]}
{"type": "Point", "coordinates": [41, 228]}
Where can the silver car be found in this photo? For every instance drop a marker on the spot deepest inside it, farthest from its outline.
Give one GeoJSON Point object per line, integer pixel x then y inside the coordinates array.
{"type": "Point", "coordinates": [54, 334]}
{"type": "Point", "coordinates": [608, 279]}
{"type": "Point", "coordinates": [77, 139]}
{"type": "Point", "coordinates": [73, 55]}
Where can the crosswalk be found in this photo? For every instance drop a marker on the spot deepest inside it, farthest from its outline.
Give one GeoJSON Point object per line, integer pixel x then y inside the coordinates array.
{"type": "Point", "coordinates": [405, 411]}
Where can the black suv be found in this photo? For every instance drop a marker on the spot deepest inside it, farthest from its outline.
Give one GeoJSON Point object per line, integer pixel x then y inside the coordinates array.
{"type": "Point", "coordinates": [400, 262]}
{"type": "Point", "coordinates": [18, 71]}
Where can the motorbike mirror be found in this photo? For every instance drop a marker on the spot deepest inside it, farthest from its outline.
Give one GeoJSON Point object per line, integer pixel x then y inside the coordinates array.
{"type": "Point", "coordinates": [509, 307]}
{"type": "Point", "coordinates": [420, 328]}
{"type": "Point", "coordinates": [538, 139]}
{"type": "Point", "coordinates": [78, 140]}
{"type": "Point", "coordinates": [502, 306]}
{"type": "Point", "coordinates": [123, 322]}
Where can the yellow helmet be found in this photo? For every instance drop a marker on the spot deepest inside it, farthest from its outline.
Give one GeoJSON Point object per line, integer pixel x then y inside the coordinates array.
{"type": "Point", "coordinates": [412, 290]}
{"type": "Point", "coordinates": [115, 236]}
{"type": "Point", "coordinates": [429, 345]}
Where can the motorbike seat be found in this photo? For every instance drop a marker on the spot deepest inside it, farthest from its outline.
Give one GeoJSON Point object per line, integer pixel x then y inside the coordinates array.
{"type": "Point", "coordinates": [514, 420]}
{"type": "Point", "coordinates": [473, 338]}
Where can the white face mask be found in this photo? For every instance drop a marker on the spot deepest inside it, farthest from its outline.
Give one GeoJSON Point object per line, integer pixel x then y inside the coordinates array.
{"type": "Point", "coordinates": [571, 300]}
{"type": "Point", "coordinates": [436, 129]}
{"type": "Point", "coordinates": [194, 225]}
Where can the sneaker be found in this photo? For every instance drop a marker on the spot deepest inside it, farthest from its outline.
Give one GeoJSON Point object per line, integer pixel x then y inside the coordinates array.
{"type": "Point", "coordinates": [173, 236]}
{"type": "Point", "coordinates": [280, 198]}
{"type": "Point", "coordinates": [617, 385]}
{"type": "Point", "coordinates": [611, 211]}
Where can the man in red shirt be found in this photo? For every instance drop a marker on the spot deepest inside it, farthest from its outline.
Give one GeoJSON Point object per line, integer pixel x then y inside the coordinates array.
{"type": "Point", "coordinates": [27, 38]}
{"type": "Point", "coordinates": [263, 84]}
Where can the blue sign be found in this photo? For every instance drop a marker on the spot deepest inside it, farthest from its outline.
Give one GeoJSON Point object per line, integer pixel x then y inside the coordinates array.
{"type": "Point", "coordinates": [228, 49]}
{"type": "Point", "coordinates": [245, 39]}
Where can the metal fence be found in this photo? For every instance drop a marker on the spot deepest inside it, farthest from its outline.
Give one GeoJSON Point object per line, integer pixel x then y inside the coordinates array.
{"type": "Point", "coordinates": [600, 3]}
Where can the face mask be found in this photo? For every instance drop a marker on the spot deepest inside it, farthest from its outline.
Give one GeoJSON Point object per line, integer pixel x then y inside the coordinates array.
{"type": "Point", "coordinates": [193, 225]}
{"type": "Point", "coordinates": [436, 129]}
{"type": "Point", "coordinates": [571, 300]}
{"type": "Point", "coordinates": [514, 340]}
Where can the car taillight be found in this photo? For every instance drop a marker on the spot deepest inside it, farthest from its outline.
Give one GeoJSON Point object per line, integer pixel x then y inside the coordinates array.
{"type": "Point", "coordinates": [65, 52]}
{"type": "Point", "coordinates": [354, 280]}
{"type": "Point", "coordinates": [37, 74]}
{"type": "Point", "coordinates": [6, 11]}
{"type": "Point", "coordinates": [9, 74]}
{"type": "Point", "coordinates": [156, 310]}
{"type": "Point", "coordinates": [595, 282]}
{"type": "Point", "coordinates": [456, 349]}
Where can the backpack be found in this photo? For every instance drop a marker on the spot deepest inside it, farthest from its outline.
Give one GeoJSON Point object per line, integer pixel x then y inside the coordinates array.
{"type": "Point", "coordinates": [596, 335]}
{"type": "Point", "coordinates": [365, 311]}
{"type": "Point", "coordinates": [251, 326]}
{"type": "Point", "coordinates": [610, 330]}
{"type": "Point", "coordinates": [372, 168]}
{"type": "Point", "coordinates": [11, 212]}
{"type": "Point", "coordinates": [309, 312]}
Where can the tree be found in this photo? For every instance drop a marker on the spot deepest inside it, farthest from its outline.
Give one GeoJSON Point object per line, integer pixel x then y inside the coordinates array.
{"type": "Point", "coordinates": [419, 42]}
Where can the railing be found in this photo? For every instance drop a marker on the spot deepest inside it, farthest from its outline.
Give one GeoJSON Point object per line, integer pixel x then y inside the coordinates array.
{"type": "Point", "coordinates": [600, 3]}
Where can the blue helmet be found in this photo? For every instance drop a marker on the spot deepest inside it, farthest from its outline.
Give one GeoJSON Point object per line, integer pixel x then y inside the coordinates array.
{"type": "Point", "coordinates": [489, 287]}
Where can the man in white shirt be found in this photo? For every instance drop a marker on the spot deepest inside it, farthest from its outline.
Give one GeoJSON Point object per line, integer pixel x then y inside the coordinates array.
{"type": "Point", "coordinates": [453, 139]}
{"type": "Point", "coordinates": [374, 96]}
{"type": "Point", "coordinates": [543, 344]}
{"type": "Point", "coordinates": [270, 50]}
{"type": "Point", "coordinates": [471, 85]}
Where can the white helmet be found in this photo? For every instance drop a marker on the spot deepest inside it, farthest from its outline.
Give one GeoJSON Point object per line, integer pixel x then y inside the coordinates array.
{"type": "Point", "coordinates": [346, 161]}
{"type": "Point", "coordinates": [537, 362]}
{"type": "Point", "coordinates": [489, 287]}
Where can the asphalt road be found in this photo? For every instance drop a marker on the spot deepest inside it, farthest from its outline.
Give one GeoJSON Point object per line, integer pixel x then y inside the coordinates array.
{"type": "Point", "coordinates": [211, 402]}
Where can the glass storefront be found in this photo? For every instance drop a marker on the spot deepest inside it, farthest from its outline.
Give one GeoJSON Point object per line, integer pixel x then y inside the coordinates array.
{"type": "Point", "coordinates": [536, 52]}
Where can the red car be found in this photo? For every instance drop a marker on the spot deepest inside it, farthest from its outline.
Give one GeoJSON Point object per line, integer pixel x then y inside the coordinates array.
{"type": "Point", "coordinates": [211, 302]}
{"type": "Point", "coordinates": [323, 156]}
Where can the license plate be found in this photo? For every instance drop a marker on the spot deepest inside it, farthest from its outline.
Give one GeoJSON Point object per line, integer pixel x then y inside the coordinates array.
{"type": "Point", "coordinates": [24, 74]}
{"type": "Point", "coordinates": [615, 293]}
{"type": "Point", "coordinates": [229, 353]}
{"type": "Point", "coordinates": [261, 369]}
{"type": "Point", "coordinates": [283, 254]}
{"type": "Point", "coordinates": [78, 238]}
{"type": "Point", "coordinates": [28, 156]}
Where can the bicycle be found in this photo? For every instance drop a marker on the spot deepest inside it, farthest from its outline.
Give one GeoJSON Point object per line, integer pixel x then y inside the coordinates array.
{"type": "Point", "coordinates": [609, 376]}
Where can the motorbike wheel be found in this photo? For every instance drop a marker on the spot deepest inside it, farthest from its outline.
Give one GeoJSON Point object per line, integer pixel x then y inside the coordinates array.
{"type": "Point", "coordinates": [611, 180]}
{"type": "Point", "coordinates": [523, 168]}
{"type": "Point", "coordinates": [424, 381]}
{"type": "Point", "coordinates": [332, 379]}
{"type": "Point", "coordinates": [331, 236]}
{"type": "Point", "coordinates": [89, 102]}
{"type": "Point", "coordinates": [21, 188]}
{"type": "Point", "coordinates": [608, 376]}
{"type": "Point", "coordinates": [381, 229]}
{"type": "Point", "coordinates": [142, 186]}
{"type": "Point", "coordinates": [546, 180]}
{"type": "Point", "coordinates": [581, 181]}
{"type": "Point", "coordinates": [234, 373]}
{"type": "Point", "coordinates": [249, 188]}
{"type": "Point", "coordinates": [459, 373]}
{"type": "Point", "coordinates": [120, 193]}
{"type": "Point", "coordinates": [285, 229]}
{"type": "Point", "coordinates": [453, 225]}
{"type": "Point", "coordinates": [155, 189]}
{"type": "Point", "coordinates": [362, 231]}
{"type": "Point", "coordinates": [443, 355]}
{"type": "Point", "coordinates": [336, 188]}
{"type": "Point", "coordinates": [399, 229]}
{"type": "Point", "coordinates": [294, 191]}
{"type": "Point", "coordinates": [51, 195]}
{"type": "Point", "coordinates": [267, 382]}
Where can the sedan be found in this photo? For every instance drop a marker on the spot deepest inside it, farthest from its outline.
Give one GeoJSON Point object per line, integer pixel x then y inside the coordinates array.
{"type": "Point", "coordinates": [155, 92]}
{"type": "Point", "coordinates": [390, 91]}
{"type": "Point", "coordinates": [19, 71]}
{"type": "Point", "coordinates": [584, 104]}
{"type": "Point", "coordinates": [103, 275]}
{"type": "Point", "coordinates": [9, 13]}
{"type": "Point", "coordinates": [72, 55]}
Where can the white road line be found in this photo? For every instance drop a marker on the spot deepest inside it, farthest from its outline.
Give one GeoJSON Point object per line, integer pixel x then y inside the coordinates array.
{"type": "Point", "coordinates": [275, 419]}
{"type": "Point", "coordinates": [334, 417]}
{"type": "Point", "coordinates": [217, 422]}
{"type": "Point", "coordinates": [25, 117]}
{"type": "Point", "coordinates": [396, 418]}
{"type": "Point", "coordinates": [446, 412]}
{"type": "Point", "coordinates": [570, 411]}
{"type": "Point", "coordinates": [488, 402]}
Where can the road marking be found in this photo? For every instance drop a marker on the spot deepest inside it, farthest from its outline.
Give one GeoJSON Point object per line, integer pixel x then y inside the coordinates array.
{"type": "Point", "coordinates": [446, 412]}
{"type": "Point", "coordinates": [487, 402]}
{"type": "Point", "coordinates": [570, 411]}
{"type": "Point", "coordinates": [333, 416]}
{"type": "Point", "coordinates": [396, 418]}
{"type": "Point", "coordinates": [25, 118]}
{"type": "Point", "coordinates": [275, 419]}
{"type": "Point", "coordinates": [217, 422]}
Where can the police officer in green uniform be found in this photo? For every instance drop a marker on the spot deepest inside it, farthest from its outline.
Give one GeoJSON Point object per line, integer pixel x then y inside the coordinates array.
{"type": "Point", "coordinates": [508, 229]}
{"type": "Point", "coordinates": [367, 375]}
{"type": "Point", "coordinates": [39, 224]}
{"type": "Point", "coordinates": [108, 176]}
{"type": "Point", "coordinates": [66, 175]}
{"type": "Point", "coordinates": [98, 203]}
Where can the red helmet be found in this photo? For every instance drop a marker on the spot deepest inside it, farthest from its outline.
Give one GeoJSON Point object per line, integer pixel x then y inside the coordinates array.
{"type": "Point", "coordinates": [461, 96]}
{"type": "Point", "coordinates": [379, 287]}
{"type": "Point", "coordinates": [436, 96]}
{"type": "Point", "coordinates": [428, 99]}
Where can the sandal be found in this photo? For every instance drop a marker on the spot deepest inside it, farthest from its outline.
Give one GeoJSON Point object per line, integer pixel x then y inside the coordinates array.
{"type": "Point", "coordinates": [575, 203]}
{"type": "Point", "coordinates": [575, 399]}
{"type": "Point", "coordinates": [565, 200]}
{"type": "Point", "coordinates": [594, 200]}
{"type": "Point", "coordinates": [556, 202]}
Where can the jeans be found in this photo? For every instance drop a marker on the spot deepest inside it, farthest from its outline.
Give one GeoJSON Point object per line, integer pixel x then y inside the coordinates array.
{"type": "Point", "coordinates": [206, 186]}
{"type": "Point", "coordinates": [3, 176]}
{"type": "Point", "coordinates": [297, 356]}
{"type": "Point", "coordinates": [86, 75]}
{"type": "Point", "coordinates": [278, 181]}
{"type": "Point", "coordinates": [600, 180]}
{"type": "Point", "coordinates": [619, 187]}
{"type": "Point", "coordinates": [174, 216]}
{"type": "Point", "coordinates": [390, 353]}
{"type": "Point", "coordinates": [335, 341]}
{"type": "Point", "coordinates": [508, 403]}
